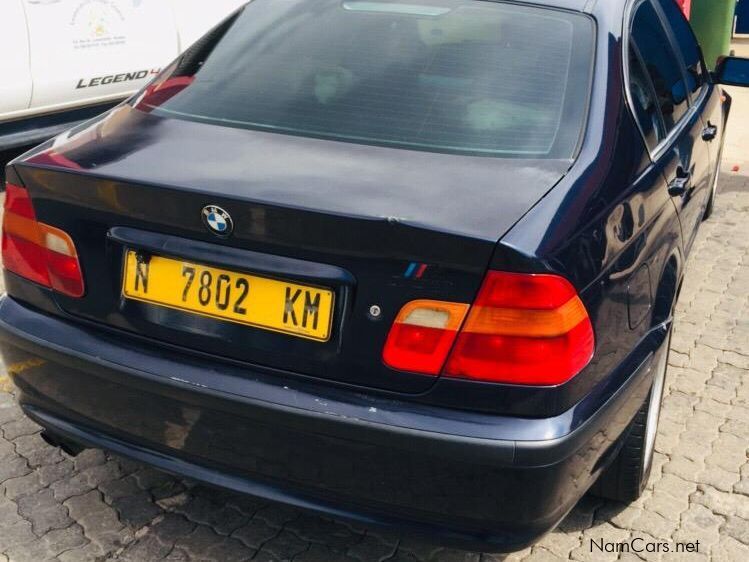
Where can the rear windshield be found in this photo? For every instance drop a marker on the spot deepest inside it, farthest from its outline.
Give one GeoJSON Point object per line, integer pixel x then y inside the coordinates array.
{"type": "Point", "coordinates": [462, 76]}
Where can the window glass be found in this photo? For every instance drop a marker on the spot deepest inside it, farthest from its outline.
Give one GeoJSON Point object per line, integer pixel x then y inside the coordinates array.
{"type": "Point", "coordinates": [459, 76]}
{"type": "Point", "coordinates": [661, 64]}
{"type": "Point", "coordinates": [645, 105]}
{"type": "Point", "coordinates": [696, 72]}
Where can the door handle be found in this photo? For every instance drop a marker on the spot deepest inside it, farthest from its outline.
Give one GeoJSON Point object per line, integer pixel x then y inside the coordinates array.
{"type": "Point", "coordinates": [678, 186]}
{"type": "Point", "coordinates": [710, 132]}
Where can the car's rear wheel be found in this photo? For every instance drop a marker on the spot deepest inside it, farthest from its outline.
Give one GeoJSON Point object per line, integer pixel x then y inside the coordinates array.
{"type": "Point", "coordinates": [626, 477]}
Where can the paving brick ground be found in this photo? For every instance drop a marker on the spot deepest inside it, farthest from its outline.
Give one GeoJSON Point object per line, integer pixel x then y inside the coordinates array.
{"type": "Point", "coordinates": [99, 507]}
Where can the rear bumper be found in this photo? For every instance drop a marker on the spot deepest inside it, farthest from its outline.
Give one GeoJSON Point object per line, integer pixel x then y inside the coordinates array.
{"type": "Point", "coordinates": [477, 480]}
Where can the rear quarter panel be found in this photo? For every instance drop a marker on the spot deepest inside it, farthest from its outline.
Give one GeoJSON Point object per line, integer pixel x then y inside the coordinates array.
{"type": "Point", "coordinates": [611, 228]}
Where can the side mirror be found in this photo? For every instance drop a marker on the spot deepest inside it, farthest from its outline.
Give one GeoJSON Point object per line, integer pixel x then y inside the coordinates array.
{"type": "Point", "coordinates": [732, 71]}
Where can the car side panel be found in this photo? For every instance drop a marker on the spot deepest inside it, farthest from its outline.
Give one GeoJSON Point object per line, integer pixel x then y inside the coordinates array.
{"type": "Point", "coordinates": [713, 115]}
{"type": "Point", "coordinates": [688, 153]}
{"type": "Point", "coordinates": [628, 259]}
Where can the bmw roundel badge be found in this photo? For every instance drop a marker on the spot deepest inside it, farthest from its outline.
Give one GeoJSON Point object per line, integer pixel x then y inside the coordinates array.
{"type": "Point", "coordinates": [218, 221]}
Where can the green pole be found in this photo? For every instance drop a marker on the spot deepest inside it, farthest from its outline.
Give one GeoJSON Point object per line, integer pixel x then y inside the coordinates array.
{"type": "Point", "coordinates": [712, 21]}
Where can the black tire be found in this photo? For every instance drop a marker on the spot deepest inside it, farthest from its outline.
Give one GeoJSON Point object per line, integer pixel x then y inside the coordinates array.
{"type": "Point", "coordinates": [624, 480]}
{"type": "Point", "coordinates": [626, 477]}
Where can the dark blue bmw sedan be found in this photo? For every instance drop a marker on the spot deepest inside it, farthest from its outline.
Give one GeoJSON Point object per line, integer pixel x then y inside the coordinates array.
{"type": "Point", "coordinates": [408, 263]}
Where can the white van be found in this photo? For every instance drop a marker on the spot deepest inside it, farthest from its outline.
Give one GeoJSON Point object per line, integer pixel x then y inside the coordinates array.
{"type": "Point", "coordinates": [64, 61]}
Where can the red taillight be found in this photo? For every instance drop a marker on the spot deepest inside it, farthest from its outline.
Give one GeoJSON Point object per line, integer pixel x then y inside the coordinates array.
{"type": "Point", "coordinates": [522, 329]}
{"type": "Point", "coordinates": [422, 335]}
{"type": "Point", "coordinates": [36, 251]}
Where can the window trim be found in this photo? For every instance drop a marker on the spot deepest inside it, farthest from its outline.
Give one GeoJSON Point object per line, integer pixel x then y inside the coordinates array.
{"type": "Point", "coordinates": [665, 144]}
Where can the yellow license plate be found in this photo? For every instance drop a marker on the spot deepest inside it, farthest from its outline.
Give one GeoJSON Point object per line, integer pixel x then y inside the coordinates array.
{"type": "Point", "coordinates": [227, 295]}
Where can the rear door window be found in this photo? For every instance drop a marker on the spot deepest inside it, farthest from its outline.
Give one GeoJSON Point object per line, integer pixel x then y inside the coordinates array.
{"type": "Point", "coordinates": [695, 70]}
{"type": "Point", "coordinates": [644, 101]}
{"type": "Point", "coordinates": [661, 64]}
{"type": "Point", "coordinates": [461, 76]}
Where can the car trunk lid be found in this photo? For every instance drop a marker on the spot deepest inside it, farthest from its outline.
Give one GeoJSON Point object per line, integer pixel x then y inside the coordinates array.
{"type": "Point", "coordinates": [376, 226]}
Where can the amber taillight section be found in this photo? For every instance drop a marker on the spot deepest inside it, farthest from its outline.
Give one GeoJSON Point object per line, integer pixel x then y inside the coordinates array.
{"type": "Point", "coordinates": [527, 329]}
{"type": "Point", "coordinates": [36, 251]}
